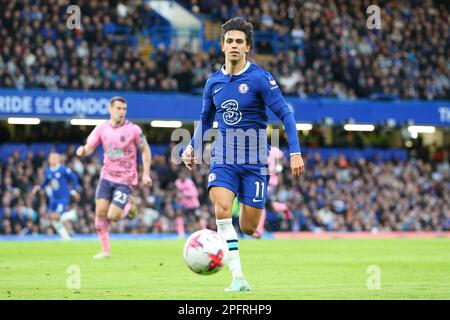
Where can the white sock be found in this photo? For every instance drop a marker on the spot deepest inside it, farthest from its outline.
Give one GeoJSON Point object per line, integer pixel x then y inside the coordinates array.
{"type": "Point", "coordinates": [61, 229]}
{"type": "Point", "coordinates": [226, 230]}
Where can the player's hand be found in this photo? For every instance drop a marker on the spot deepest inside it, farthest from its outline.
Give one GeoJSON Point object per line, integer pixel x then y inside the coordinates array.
{"type": "Point", "coordinates": [188, 157]}
{"type": "Point", "coordinates": [297, 165]}
{"type": "Point", "coordinates": [80, 151]}
{"type": "Point", "coordinates": [147, 181]}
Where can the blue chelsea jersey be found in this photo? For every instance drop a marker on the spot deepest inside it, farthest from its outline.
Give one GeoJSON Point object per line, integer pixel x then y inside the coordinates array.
{"type": "Point", "coordinates": [238, 102]}
{"type": "Point", "coordinates": [58, 178]}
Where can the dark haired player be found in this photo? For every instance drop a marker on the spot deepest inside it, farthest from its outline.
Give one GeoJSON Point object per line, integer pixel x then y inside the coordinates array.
{"type": "Point", "coordinates": [237, 95]}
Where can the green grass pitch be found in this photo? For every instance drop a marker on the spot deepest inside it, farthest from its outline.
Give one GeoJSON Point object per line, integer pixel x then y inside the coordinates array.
{"type": "Point", "coordinates": [276, 269]}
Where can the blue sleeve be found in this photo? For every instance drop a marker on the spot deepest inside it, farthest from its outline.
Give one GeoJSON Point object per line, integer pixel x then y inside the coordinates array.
{"type": "Point", "coordinates": [272, 97]}
{"type": "Point", "coordinates": [44, 183]}
{"type": "Point", "coordinates": [72, 177]}
{"type": "Point", "coordinates": [206, 117]}
{"type": "Point", "coordinates": [291, 130]}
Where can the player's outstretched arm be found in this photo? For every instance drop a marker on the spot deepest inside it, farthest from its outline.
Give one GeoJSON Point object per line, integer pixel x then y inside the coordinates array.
{"type": "Point", "coordinates": [93, 141]}
{"type": "Point", "coordinates": [296, 160]}
{"type": "Point", "coordinates": [146, 164]}
{"type": "Point", "coordinates": [71, 175]}
{"type": "Point", "coordinates": [206, 122]}
{"type": "Point", "coordinates": [84, 151]}
{"type": "Point", "coordinates": [39, 187]}
{"type": "Point", "coordinates": [188, 157]}
{"type": "Point", "coordinates": [274, 100]}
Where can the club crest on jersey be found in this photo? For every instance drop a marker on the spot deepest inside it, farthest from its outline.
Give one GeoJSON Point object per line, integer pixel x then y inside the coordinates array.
{"type": "Point", "coordinates": [273, 83]}
{"type": "Point", "coordinates": [243, 88]}
{"type": "Point", "coordinates": [122, 139]}
{"type": "Point", "coordinates": [232, 115]}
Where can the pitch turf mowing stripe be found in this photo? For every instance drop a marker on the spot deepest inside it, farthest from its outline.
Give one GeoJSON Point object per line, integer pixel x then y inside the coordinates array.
{"type": "Point", "coordinates": [276, 269]}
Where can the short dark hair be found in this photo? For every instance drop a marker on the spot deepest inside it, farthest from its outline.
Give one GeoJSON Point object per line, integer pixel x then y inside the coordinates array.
{"type": "Point", "coordinates": [241, 25]}
{"type": "Point", "coordinates": [117, 98]}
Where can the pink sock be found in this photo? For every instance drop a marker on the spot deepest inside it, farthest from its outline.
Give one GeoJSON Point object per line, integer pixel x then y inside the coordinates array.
{"type": "Point", "coordinates": [179, 223]}
{"type": "Point", "coordinates": [102, 228]}
{"type": "Point", "coordinates": [126, 210]}
{"type": "Point", "coordinates": [260, 229]}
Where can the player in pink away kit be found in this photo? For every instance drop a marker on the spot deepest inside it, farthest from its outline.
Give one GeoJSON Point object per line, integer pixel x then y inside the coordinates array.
{"type": "Point", "coordinates": [121, 141]}
{"type": "Point", "coordinates": [187, 197]}
{"type": "Point", "coordinates": [275, 156]}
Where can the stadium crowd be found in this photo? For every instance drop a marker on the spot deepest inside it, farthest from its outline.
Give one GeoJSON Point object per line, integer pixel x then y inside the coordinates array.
{"type": "Point", "coordinates": [326, 49]}
{"type": "Point", "coordinates": [321, 49]}
{"type": "Point", "coordinates": [336, 194]}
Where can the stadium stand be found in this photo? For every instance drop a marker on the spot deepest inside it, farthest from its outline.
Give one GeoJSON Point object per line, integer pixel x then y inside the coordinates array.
{"type": "Point", "coordinates": [319, 48]}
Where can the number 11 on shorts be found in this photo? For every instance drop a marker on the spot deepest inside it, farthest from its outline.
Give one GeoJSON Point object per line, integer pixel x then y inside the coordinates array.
{"type": "Point", "coordinates": [259, 186]}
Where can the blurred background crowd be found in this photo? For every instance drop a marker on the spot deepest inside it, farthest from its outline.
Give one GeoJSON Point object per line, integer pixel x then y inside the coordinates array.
{"type": "Point", "coordinates": [322, 48]}
{"type": "Point", "coordinates": [326, 48]}
{"type": "Point", "coordinates": [336, 194]}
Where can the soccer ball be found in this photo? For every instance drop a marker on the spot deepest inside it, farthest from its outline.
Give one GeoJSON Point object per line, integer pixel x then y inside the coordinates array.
{"type": "Point", "coordinates": [205, 251]}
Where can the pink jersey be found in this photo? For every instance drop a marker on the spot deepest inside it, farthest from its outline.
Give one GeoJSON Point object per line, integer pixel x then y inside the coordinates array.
{"type": "Point", "coordinates": [275, 155]}
{"type": "Point", "coordinates": [188, 193]}
{"type": "Point", "coordinates": [120, 146]}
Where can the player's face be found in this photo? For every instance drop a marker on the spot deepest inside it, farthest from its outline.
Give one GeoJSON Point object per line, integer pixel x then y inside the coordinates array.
{"type": "Point", "coordinates": [53, 159]}
{"type": "Point", "coordinates": [118, 111]}
{"type": "Point", "coordinates": [235, 46]}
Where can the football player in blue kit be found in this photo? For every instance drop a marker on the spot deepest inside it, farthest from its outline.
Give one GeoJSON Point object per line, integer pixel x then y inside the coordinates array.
{"type": "Point", "coordinates": [237, 96]}
{"type": "Point", "coordinates": [58, 177]}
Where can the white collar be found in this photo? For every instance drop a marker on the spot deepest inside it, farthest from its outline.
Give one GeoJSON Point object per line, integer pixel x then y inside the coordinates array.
{"type": "Point", "coordinates": [247, 65]}
{"type": "Point", "coordinates": [55, 168]}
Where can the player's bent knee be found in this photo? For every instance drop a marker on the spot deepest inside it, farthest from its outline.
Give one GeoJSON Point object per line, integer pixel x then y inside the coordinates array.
{"type": "Point", "coordinates": [222, 211]}
{"type": "Point", "coordinates": [101, 214]}
{"type": "Point", "coordinates": [101, 211]}
{"type": "Point", "coordinates": [114, 216]}
{"type": "Point", "coordinates": [249, 219]}
{"type": "Point", "coordinates": [247, 229]}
